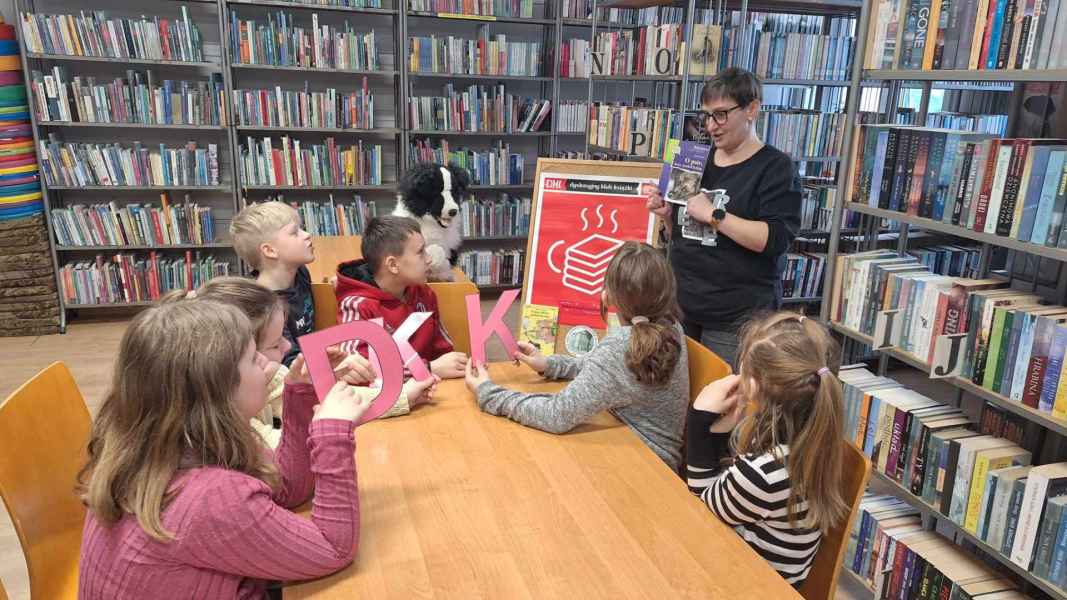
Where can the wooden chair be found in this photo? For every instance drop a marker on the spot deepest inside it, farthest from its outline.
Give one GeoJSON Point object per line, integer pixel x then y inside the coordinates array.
{"type": "Point", "coordinates": [821, 583]}
{"type": "Point", "coordinates": [330, 251]}
{"type": "Point", "coordinates": [3, 594]}
{"type": "Point", "coordinates": [704, 367]}
{"type": "Point", "coordinates": [44, 429]}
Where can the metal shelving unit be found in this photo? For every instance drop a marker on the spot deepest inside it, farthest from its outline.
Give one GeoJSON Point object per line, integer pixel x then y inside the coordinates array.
{"type": "Point", "coordinates": [874, 217]}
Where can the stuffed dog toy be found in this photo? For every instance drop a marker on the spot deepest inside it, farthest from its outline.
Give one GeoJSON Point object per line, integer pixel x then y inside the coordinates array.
{"type": "Point", "coordinates": [430, 193]}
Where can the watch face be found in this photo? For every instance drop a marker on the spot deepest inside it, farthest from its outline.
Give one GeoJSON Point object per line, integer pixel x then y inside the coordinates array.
{"type": "Point", "coordinates": [718, 214]}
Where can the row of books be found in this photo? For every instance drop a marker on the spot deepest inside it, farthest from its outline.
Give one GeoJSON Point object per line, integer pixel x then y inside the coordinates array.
{"type": "Point", "coordinates": [334, 218]}
{"type": "Point", "coordinates": [817, 206]}
{"type": "Point", "coordinates": [487, 267]}
{"type": "Point", "coordinates": [890, 549]}
{"type": "Point", "coordinates": [803, 134]}
{"type": "Point", "coordinates": [929, 304]}
{"type": "Point", "coordinates": [82, 164]}
{"type": "Point", "coordinates": [969, 34]}
{"type": "Point", "coordinates": [136, 278]}
{"type": "Point", "coordinates": [583, 9]}
{"type": "Point", "coordinates": [652, 50]}
{"type": "Point", "coordinates": [1008, 187]}
{"type": "Point", "coordinates": [134, 224]}
{"type": "Point", "coordinates": [992, 124]}
{"type": "Point", "coordinates": [774, 45]}
{"type": "Point", "coordinates": [505, 215]}
{"type": "Point", "coordinates": [96, 34]}
{"type": "Point", "coordinates": [803, 275]}
{"type": "Point", "coordinates": [136, 98]}
{"type": "Point", "coordinates": [980, 477]}
{"type": "Point", "coordinates": [308, 165]}
{"type": "Point", "coordinates": [495, 8]}
{"type": "Point", "coordinates": [305, 108]}
{"type": "Point", "coordinates": [477, 108]}
{"type": "Point", "coordinates": [280, 42]}
{"type": "Point", "coordinates": [485, 55]}
{"type": "Point", "coordinates": [633, 130]}
{"type": "Point", "coordinates": [495, 166]}
{"type": "Point", "coordinates": [573, 116]}
{"type": "Point", "coordinates": [954, 261]}
{"type": "Point", "coordinates": [801, 97]}
{"type": "Point", "coordinates": [1013, 344]}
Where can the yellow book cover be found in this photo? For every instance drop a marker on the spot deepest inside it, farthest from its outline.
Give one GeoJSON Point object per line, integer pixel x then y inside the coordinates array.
{"type": "Point", "coordinates": [1059, 407]}
{"type": "Point", "coordinates": [539, 327]}
{"type": "Point", "coordinates": [984, 462]}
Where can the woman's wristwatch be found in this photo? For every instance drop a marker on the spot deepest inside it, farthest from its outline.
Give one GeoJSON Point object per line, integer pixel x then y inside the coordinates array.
{"type": "Point", "coordinates": [718, 199]}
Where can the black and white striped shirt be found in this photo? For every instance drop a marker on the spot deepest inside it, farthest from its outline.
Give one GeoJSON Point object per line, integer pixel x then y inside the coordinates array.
{"type": "Point", "coordinates": [751, 495]}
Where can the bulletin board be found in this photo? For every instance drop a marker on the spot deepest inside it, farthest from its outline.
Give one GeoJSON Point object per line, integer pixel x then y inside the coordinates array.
{"type": "Point", "coordinates": [582, 212]}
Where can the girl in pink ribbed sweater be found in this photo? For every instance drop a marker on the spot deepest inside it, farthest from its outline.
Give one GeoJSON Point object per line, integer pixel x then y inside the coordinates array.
{"type": "Point", "coordinates": [183, 500]}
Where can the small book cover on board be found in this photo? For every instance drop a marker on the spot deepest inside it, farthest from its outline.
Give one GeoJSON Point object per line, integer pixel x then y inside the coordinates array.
{"type": "Point", "coordinates": [539, 327]}
{"type": "Point", "coordinates": [681, 179]}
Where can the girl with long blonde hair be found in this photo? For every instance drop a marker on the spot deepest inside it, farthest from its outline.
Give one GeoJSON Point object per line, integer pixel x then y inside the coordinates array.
{"type": "Point", "coordinates": [765, 446]}
{"type": "Point", "coordinates": [183, 500]}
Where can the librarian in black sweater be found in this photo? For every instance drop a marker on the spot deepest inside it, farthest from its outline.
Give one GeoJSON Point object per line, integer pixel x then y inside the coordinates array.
{"type": "Point", "coordinates": [720, 286]}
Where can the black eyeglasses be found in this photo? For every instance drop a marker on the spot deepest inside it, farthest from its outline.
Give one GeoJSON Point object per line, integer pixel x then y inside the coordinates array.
{"type": "Point", "coordinates": [719, 116]}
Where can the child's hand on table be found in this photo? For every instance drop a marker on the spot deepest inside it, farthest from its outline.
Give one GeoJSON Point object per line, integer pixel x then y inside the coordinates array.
{"type": "Point", "coordinates": [529, 354]}
{"type": "Point", "coordinates": [421, 392]}
{"type": "Point", "coordinates": [450, 366]}
{"type": "Point", "coordinates": [475, 376]}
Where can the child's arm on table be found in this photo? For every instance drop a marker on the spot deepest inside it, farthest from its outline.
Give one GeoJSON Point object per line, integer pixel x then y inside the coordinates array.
{"type": "Point", "coordinates": [585, 396]}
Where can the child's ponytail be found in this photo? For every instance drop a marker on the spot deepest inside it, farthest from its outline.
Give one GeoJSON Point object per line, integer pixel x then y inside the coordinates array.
{"type": "Point", "coordinates": [640, 285]}
{"type": "Point", "coordinates": [653, 352]}
{"type": "Point", "coordinates": [787, 368]}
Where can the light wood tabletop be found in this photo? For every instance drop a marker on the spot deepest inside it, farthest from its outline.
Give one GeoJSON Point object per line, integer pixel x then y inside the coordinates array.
{"type": "Point", "coordinates": [456, 503]}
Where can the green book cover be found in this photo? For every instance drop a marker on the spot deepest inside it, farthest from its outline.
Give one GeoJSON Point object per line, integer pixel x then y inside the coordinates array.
{"type": "Point", "coordinates": [992, 354]}
{"type": "Point", "coordinates": [1002, 349]}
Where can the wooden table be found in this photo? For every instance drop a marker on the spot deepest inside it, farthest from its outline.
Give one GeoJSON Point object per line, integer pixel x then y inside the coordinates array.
{"type": "Point", "coordinates": [460, 504]}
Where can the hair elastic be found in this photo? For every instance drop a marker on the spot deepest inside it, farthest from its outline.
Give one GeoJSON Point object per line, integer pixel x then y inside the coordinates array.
{"type": "Point", "coordinates": [822, 371]}
{"type": "Point", "coordinates": [638, 319]}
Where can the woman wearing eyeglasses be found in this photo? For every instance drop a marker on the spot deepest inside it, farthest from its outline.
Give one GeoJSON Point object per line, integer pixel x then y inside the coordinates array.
{"type": "Point", "coordinates": [719, 286]}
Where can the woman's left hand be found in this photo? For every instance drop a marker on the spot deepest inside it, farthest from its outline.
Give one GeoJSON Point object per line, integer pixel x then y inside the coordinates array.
{"type": "Point", "coordinates": [476, 375]}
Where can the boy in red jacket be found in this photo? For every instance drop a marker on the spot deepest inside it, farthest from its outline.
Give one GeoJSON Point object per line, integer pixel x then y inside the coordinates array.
{"type": "Point", "coordinates": [390, 282]}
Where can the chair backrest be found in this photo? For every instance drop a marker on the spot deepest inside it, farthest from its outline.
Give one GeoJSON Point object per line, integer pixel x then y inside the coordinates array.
{"type": "Point", "coordinates": [821, 582]}
{"type": "Point", "coordinates": [44, 430]}
{"type": "Point", "coordinates": [704, 367]}
{"type": "Point", "coordinates": [330, 251]}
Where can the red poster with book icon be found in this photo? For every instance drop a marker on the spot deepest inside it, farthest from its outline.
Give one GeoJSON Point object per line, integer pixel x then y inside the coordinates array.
{"type": "Point", "coordinates": [578, 224]}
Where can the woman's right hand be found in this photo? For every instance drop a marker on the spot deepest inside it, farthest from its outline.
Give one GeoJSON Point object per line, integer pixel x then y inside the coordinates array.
{"type": "Point", "coordinates": [529, 354]}
{"type": "Point", "coordinates": [345, 402]}
{"type": "Point", "coordinates": [655, 203]}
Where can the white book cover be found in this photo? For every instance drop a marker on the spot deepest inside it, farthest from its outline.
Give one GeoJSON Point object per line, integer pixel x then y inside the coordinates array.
{"type": "Point", "coordinates": [1037, 484]}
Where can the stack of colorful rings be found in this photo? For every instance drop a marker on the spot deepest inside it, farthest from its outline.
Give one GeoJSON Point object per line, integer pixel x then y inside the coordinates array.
{"type": "Point", "coordinates": [20, 184]}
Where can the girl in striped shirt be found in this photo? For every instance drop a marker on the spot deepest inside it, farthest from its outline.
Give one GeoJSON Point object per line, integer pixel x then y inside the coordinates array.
{"type": "Point", "coordinates": [765, 447]}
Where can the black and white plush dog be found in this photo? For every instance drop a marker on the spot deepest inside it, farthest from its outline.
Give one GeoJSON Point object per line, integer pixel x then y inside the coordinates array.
{"type": "Point", "coordinates": [430, 193]}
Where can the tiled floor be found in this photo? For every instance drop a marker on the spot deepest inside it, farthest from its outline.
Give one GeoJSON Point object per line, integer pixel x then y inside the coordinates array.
{"type": "Point", "coordinates": [89, 349]}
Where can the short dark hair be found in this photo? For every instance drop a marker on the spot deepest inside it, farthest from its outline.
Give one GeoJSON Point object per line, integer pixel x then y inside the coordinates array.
{"type": "Point", "coordinates": [739, 85]}
{"type": "Point", "coordinates": [385, 237]}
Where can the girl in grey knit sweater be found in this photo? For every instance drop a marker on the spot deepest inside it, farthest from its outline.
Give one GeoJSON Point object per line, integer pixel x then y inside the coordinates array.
{"type": "Point", "coordinates": [639, 372]}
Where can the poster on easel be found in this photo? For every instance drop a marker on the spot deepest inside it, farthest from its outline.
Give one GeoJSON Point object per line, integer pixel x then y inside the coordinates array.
{"type": "Point", "coordinates": [582, 213]}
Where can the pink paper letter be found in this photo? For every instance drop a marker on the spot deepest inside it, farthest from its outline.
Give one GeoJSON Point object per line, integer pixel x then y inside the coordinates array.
{"type": "Point", "coordinates": [411, 359]}
{"type": "Point", "coordinates": [314, 345]}
{"type": "Point", "coordinates": [481, 332]}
